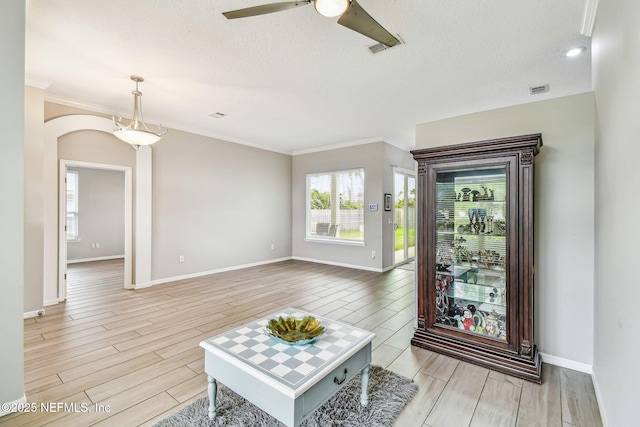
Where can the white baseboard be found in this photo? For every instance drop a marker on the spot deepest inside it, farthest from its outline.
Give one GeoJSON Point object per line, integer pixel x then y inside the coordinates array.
{"type": "Point", "coordinates": [51, 302]}
{"type": "Point", "coordinates": [15, 403]}
{"type": "Point", "coordinates": [340, 264]}
{"type": "Point", "coordinates": [566, 363]}
{"type": "Point", "coordinates": [35, 313]}
{"type": "Point", "coordinates": [100, 258]}
{"type": "Point", "coordinates": [599, 399]}
{"type": "Point", "coordinates": [206, 273]}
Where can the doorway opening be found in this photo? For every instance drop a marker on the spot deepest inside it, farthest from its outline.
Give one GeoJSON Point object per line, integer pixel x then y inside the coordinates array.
{"type": "Point", "coordinates": [95, 223]}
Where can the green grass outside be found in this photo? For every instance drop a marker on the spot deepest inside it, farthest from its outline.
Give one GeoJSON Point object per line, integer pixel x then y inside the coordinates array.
{"type": "Point", "coordinates": [400, 238]}
{"type": "Point", "coordinates": [351, 234]}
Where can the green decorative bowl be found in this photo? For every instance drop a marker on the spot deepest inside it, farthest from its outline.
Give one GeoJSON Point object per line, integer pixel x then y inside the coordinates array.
{"type": "Point", "coordinates": [292, 331]}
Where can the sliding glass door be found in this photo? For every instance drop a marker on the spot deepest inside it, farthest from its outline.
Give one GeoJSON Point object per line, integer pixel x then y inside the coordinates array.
{"type": "Point", "coordinates": [404, 216]}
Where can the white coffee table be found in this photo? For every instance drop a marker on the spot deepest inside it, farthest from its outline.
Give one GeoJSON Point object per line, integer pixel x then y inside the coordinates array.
{"type": "Point", "coordinates": [287, 382]}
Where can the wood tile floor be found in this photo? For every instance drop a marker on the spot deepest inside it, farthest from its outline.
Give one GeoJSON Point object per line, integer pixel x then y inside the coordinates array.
{"type": "Point", "coordinates": [137, 351]}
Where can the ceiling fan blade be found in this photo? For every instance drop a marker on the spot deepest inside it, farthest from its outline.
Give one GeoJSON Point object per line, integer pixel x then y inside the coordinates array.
{"type": "Point", "coordinates": [357, 19]}
{"type": "Point", "coordinates": [264, 9]}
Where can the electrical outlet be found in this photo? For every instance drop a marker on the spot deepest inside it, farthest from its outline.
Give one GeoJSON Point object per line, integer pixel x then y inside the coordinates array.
{"type": "Point", "coordinates": [373, 254]}
{"type": "Point", "coordinates": [93, 246]}
{"type": "Point", "coordinates": [273, 246]}
{"type": "Point", "coordinates": [181, 258]}
{"type": "Point", "coordinates": [97, 245]}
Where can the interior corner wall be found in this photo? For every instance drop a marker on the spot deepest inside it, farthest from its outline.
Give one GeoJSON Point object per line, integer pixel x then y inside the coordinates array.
{"type": "Point", "coordinates": [564, 212]}
{"type": "Point", "coordinates": [616, 82]}
{"type": "Point", "coordinates": [12, 115]}
{"type": "Point", "coordinates": [33, 200]}
{"type": "Point", "coordinates": [367, 156]}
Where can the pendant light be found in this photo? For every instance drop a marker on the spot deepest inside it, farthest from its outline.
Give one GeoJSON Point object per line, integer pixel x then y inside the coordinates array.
{"type": "Point", "coordinates": [137, 133]}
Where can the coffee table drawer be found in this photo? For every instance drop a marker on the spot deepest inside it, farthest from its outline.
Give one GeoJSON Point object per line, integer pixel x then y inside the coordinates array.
{"type": "Point", "coordinates": [335, 380]}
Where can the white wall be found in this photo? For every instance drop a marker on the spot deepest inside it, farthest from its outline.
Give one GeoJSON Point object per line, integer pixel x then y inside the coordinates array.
{"type": "Point", "coordinates": [564, 212]}
{"type": "Point", "coordinates": [616, 71]}
{"type": "Point", "coordinates": [12, 102]}
{"type": "Point", "coordinates": [101, 215]}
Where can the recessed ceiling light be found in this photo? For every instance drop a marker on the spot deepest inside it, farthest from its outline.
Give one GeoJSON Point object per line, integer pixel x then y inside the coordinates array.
{"type": "Point", "coordinates": [575, 51]}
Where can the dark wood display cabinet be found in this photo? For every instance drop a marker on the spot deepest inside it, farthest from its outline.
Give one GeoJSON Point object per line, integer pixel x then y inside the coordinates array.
{"type": "Point", "coordinates": [475, 253]}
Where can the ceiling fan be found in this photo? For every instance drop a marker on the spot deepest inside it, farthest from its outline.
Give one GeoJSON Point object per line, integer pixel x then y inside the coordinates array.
{"type": "Point", "coordinates": [352, 16]}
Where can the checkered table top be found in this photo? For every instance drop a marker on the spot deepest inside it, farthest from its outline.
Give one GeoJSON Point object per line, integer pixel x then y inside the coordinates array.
{"type": "Point", "coordinates": [290, 365]}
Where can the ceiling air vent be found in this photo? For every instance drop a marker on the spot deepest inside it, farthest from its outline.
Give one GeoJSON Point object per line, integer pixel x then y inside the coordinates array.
{"type": "Point", "coordinates": [379, 47]}
{"type": "Point", "coordinates": [535, 90]}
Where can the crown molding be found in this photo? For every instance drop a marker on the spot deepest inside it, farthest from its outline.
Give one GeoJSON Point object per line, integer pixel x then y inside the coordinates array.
{"type": "Point", "coordinates": [37, 83]}
{"type": "Point", "coordinates": [589, 18]}
{"type": "Point", "coordinates": [110, 111]}
{"type": "Point", "coordinates": [78, 104]}
{"type": "Point", "coordinates": [339, 145]}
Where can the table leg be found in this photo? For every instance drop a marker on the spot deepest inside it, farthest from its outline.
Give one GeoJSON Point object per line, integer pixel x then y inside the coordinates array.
{"type": "Point", "coordinates": [213, 391]}
{"type": "Point", "coordinates": [364, 384]}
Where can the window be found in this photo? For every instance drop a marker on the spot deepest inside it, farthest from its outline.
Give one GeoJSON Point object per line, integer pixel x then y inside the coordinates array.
{"type": "Point", "coordinates": [335, 205]}
{"type": "Point", "coordinates": [72, 205]}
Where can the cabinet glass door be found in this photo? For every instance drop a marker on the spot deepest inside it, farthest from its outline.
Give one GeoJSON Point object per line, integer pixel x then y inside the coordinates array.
{"type": "Point", "coordinates": [471, 250]}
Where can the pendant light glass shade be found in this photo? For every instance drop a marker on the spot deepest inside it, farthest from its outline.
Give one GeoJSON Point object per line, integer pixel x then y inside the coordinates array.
{"type": "Point", "coordinates": [331, 8]}
{"type": "Point", "coordinates": [137, 133]}
{"type": "Point", "coordinates": [137, 136]}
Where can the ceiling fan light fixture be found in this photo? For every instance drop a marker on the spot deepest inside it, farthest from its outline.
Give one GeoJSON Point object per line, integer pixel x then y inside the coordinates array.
{"type": "Point", "coordinates": [331, 8]}
{"type": "Point", "coordinates": [137, 133]}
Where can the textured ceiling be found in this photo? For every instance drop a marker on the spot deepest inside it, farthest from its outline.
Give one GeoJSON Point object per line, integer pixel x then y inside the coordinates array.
{"type": "Point", "coordinates": [295, 81]}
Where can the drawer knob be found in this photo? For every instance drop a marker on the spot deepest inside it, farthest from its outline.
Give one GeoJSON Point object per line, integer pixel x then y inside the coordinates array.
{"type": "Point", "coordinates": [344, 377]}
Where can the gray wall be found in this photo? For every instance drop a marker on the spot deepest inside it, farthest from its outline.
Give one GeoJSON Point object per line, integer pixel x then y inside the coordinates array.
{"type": "Point", "coordinates": [616, 71]}
{"type": "Point", "coordinates": [96, 147]}
{"type": "Point", "coordinates": [218, 204]}
{"type": "Point", "coordinates": [34, 199]}
{"type": "Point", "coordinates": [564, 211]}
{"type": "Point", "coordinates": [101, 214]}
{"type": "Point", "coordinates": [12, 23]}
{"type": "Point", "coordinates": [377, 160]}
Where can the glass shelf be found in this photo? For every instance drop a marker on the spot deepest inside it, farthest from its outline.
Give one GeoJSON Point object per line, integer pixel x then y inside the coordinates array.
{"type": "Point", "coordinates": [471, 250]}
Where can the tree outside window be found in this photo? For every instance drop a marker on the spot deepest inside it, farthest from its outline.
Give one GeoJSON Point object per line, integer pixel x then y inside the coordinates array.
{"type": "Point", "coordinates": [335, 208]}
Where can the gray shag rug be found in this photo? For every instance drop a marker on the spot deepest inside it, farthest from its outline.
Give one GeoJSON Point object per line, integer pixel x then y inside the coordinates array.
{"type": "Point", "coordinates": [388, 394]}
